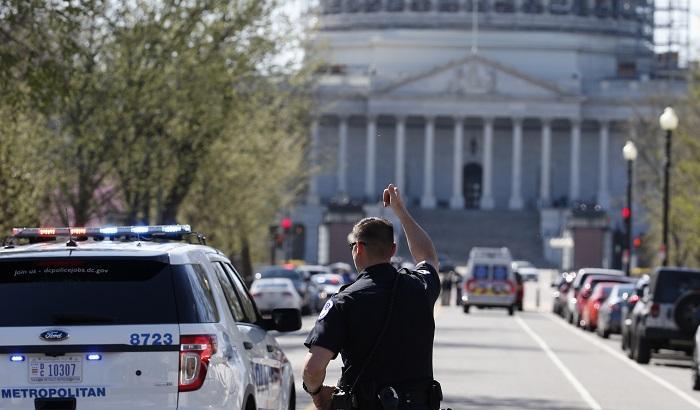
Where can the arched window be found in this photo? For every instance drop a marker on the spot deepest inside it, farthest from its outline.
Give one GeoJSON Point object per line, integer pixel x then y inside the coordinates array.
{"type": "Point", "coordinates": [421, 5]}
{"type": "Point", "coordinates": [395, 5]}
{"type": "Point", "coordinates": [533, 7]}
{"type": "Point", "coordinates": [372, 6]}
{"type": "Point", "coordinates": [559, 7]}
{"type": "Point", "coordinates": [353, 6]}
{"type": "Point", "coordinates": [602, 8]}
{"type": "Point", "coordinates": [504, 6]}
{"type": "Point", "coordinates": [483, 5]}
{"type": "Point", "coordinates": [331, 6]}
{"type": "Point", "coordinates": [448, 5]}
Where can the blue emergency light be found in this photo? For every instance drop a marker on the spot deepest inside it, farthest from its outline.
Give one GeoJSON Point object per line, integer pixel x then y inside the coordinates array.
{"type": "Point", "coordinates": [155, 231]}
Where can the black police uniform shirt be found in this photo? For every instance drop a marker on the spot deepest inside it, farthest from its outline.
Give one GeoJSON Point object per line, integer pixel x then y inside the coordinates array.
{"type": "Point", "coordinates": [351, 321]}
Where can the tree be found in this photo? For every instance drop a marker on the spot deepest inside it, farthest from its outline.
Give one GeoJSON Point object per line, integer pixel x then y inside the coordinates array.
{"type": "Point", "coordinates": [684, 217]}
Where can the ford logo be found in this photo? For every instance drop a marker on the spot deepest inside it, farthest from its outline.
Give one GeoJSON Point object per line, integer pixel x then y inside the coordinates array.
{"type": "Point", "coordinates": [54, 335]}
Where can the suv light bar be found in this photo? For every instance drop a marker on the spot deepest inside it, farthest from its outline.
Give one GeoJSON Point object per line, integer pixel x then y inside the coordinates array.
{"type": "Point", "coordinates": [159, 231]}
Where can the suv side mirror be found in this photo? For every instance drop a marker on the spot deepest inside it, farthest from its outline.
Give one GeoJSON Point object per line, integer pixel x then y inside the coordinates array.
{"type": "Point", "coordinates": [284, 320]}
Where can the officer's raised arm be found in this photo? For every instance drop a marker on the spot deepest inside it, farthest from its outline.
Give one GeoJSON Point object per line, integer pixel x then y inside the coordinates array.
{"type": "Point", "coordinates": [419, 243]}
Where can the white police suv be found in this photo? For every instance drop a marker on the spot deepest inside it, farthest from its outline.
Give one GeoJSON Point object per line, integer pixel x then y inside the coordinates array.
{"type": "Point", "coordinates": [125, 318]}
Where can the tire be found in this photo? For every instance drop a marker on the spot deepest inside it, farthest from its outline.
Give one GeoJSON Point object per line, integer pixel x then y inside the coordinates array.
{"type": "Point", "coordinates": [605, 333]}
{"type": "Point", "coordinates": [511, 310]}
{"type": "Point", "coordinates": [695, 375]}
{"type": "Point", "coordinates": [465, 308]}
{"type": "Point", "coordinates": [642, 351]}
{"type": "Point", "coordinates": [686, 312]}
{"type": "Point", "coordinates": [292, 398]}
{"type": "Point", "coordinates": [520, 306]}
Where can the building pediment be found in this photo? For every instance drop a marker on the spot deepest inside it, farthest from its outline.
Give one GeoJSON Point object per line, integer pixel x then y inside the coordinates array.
{"type": "Point", "coordinates": [472, 76]}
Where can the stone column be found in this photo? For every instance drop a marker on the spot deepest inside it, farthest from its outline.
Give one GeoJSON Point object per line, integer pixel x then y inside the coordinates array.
{"type": "Point", "coordinates": [457, 200]}
{"type": "Point", "coordinates": [545, 166]}
{"type": "Point", "coordinates": [574, 178]}
{"type": "Point", "coordinates": [428, 200]}
{"type": "Point", "coordinates": [371, 174]}
{"type": "Point", "coordinates": [400, 171]}
{"type": "Point", "coordinates": [604, 143]}
{"type": "Point", "coordinates": [313, 158]}
{"type": "Point", "coordinates": [487, 192]}
{"type": "Point", "coordinates": [343, 156]}
{"type": "Point", "coordinates": [516, 200]}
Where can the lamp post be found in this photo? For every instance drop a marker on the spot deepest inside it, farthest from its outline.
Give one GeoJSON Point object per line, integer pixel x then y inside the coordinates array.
{"type": "Point", "coordinates": [668, 122]}
{"type": "Point", "coordinates": [629, 152]}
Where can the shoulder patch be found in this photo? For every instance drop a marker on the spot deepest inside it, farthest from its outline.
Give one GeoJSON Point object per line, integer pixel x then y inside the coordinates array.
{"type": "Point", "coordinates": [326, 308]}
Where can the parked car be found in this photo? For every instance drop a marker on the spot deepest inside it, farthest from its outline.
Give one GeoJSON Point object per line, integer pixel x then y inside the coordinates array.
{"type": "Point", "coordinates": [626, 312]}
{"type": "Point", "coordinates": [309, 302]}
{"type": "Point", "coordinates": [696, 362]}
{"type": "Point", "coordinates": [275, 293]}
{"type": "Point", "coordinates": [587, 290]}
{"type": "Point", "coordinates": [573, 311]}
{"type": "Point", "coordinates": [559, 294]}
{"type": "Point", "coordinates": [528, 273]}
{"type": "Point", "coordinates": [589, 318]}
{"type": "Point", "coordinates": [667, 316]}
{"type": "Point", "coordinates": [329, 284]}
{"type": "Point", "coordinates": [610, 313]}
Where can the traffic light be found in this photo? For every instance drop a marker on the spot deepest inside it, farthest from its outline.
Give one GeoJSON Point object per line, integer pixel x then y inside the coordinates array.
{"type": "Point", "coordinates": [637, 242]}
{"type": "Point", "coordinates": [286, 224]}
{"type": "Point", "coordinates": [626, 213]}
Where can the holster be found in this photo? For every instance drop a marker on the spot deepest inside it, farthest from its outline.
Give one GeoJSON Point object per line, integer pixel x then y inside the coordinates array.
{"type": "Point", "coordinates": [434, 395]}
{"type": "Point", "coordinates": [341, 400]}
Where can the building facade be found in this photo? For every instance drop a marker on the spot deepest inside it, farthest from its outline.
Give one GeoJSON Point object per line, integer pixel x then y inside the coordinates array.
{"type": "Point", "coordinates": [501, 105]}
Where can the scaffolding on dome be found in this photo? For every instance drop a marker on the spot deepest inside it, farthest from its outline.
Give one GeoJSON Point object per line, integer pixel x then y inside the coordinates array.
{"type": "Point", "coordinates": [671, 35]}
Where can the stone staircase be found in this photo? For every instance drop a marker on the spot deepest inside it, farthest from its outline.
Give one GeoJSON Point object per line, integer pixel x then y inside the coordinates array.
{"type": "Point", "coordinates": [455, 232]}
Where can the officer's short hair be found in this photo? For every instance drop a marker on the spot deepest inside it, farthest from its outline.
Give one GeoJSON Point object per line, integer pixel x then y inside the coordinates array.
{"type": "Point", "coordinates": [377, 234]}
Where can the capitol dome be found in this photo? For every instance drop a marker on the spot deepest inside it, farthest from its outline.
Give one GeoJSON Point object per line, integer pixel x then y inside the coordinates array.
{"type": "Point", "coordinates": [632, 18]}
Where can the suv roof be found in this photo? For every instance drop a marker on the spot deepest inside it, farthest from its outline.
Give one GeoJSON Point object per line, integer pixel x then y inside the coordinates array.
{"type": "Point", "coordinates": [176, 252]}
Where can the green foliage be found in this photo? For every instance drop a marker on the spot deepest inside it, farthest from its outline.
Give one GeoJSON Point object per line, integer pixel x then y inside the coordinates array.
{"type": "Point", "coordinates": [684, 216]}
{"type": "Point", "coordinates": [157, 112]}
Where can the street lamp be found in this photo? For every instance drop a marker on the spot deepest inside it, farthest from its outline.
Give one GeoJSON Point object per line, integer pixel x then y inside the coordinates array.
{"type": "Point", "coordinates": [629, 152]}
{"type": "Point", "coordinates": [668, 122]}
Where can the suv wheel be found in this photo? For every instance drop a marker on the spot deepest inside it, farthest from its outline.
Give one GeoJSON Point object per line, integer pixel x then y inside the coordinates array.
{"type": "Point", "coordinates": [511, 310]}
{"type": "Point", "coordinates": [695, 374]}
{"type": "Point", "coordinates": [292, 398]}
{"type": "Point", "coordinates": [465, 308]}
{"type": "Point", "coordinates": [642, 351]}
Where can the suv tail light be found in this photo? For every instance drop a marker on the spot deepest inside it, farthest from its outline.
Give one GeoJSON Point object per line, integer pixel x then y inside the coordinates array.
{"type": "Point", "coordinates": [510, 287]}
{"type": "Point", "coordinates": [195, 352]}
{"type": "Point", "coordinates": [655, 310]}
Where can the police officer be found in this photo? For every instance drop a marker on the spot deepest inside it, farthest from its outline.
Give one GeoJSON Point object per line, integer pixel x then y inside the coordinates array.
{"type": "Point", "coordinates": [352, 321]}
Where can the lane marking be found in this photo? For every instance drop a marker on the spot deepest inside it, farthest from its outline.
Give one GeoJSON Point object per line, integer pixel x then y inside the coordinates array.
{"type": "Point", "coordinates": [585, 394]}
{"type": "Point", "coordinates": [634, 365]}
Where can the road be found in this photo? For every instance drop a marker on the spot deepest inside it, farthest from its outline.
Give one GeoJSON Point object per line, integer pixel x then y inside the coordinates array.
{"type": "Point", "coordinates": [533, 360]}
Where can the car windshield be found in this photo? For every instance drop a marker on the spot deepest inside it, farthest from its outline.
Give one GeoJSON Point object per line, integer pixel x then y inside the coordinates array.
{"type": "Point", "coordinates": [45, 292]}
{"type": "Point", "coordinates": [670, 285]}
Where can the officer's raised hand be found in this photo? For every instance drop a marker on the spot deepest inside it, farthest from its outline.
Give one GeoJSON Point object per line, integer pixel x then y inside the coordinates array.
{"type": "Point", "coordinates": [419, 242]}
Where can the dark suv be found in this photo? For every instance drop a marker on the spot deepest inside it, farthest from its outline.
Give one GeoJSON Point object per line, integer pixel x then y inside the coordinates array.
{"type": "Point", "coordinates": [667, 315]}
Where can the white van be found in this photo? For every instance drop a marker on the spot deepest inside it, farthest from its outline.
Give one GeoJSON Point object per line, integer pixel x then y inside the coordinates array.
{"type": "Point", "coordinates": [490, 281]}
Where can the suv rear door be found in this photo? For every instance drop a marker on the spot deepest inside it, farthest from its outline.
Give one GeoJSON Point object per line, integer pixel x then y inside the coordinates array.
{"type": "Point", "coordinates": [90, 332]}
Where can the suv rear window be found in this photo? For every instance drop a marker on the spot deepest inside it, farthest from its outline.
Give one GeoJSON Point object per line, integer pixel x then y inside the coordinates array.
{"type": "Point", "coordinates": [670, 285]}
{"type": "Point", "coordinates": [100, 291]}
{"type": "Point", "coordinates": [481, 272]}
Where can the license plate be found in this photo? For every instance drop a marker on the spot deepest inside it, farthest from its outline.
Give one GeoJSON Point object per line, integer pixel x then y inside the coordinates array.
{"type": "Point", "coordinates": [63, 369]}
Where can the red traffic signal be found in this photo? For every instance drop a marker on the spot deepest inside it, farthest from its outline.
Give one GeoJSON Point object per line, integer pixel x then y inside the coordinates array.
{"type": "Point", "coordinates": [626, 212]}
{"type": "Point", "coordinates": [286, 224]}
{"type": "Point", "coordinates": [637, 242]}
